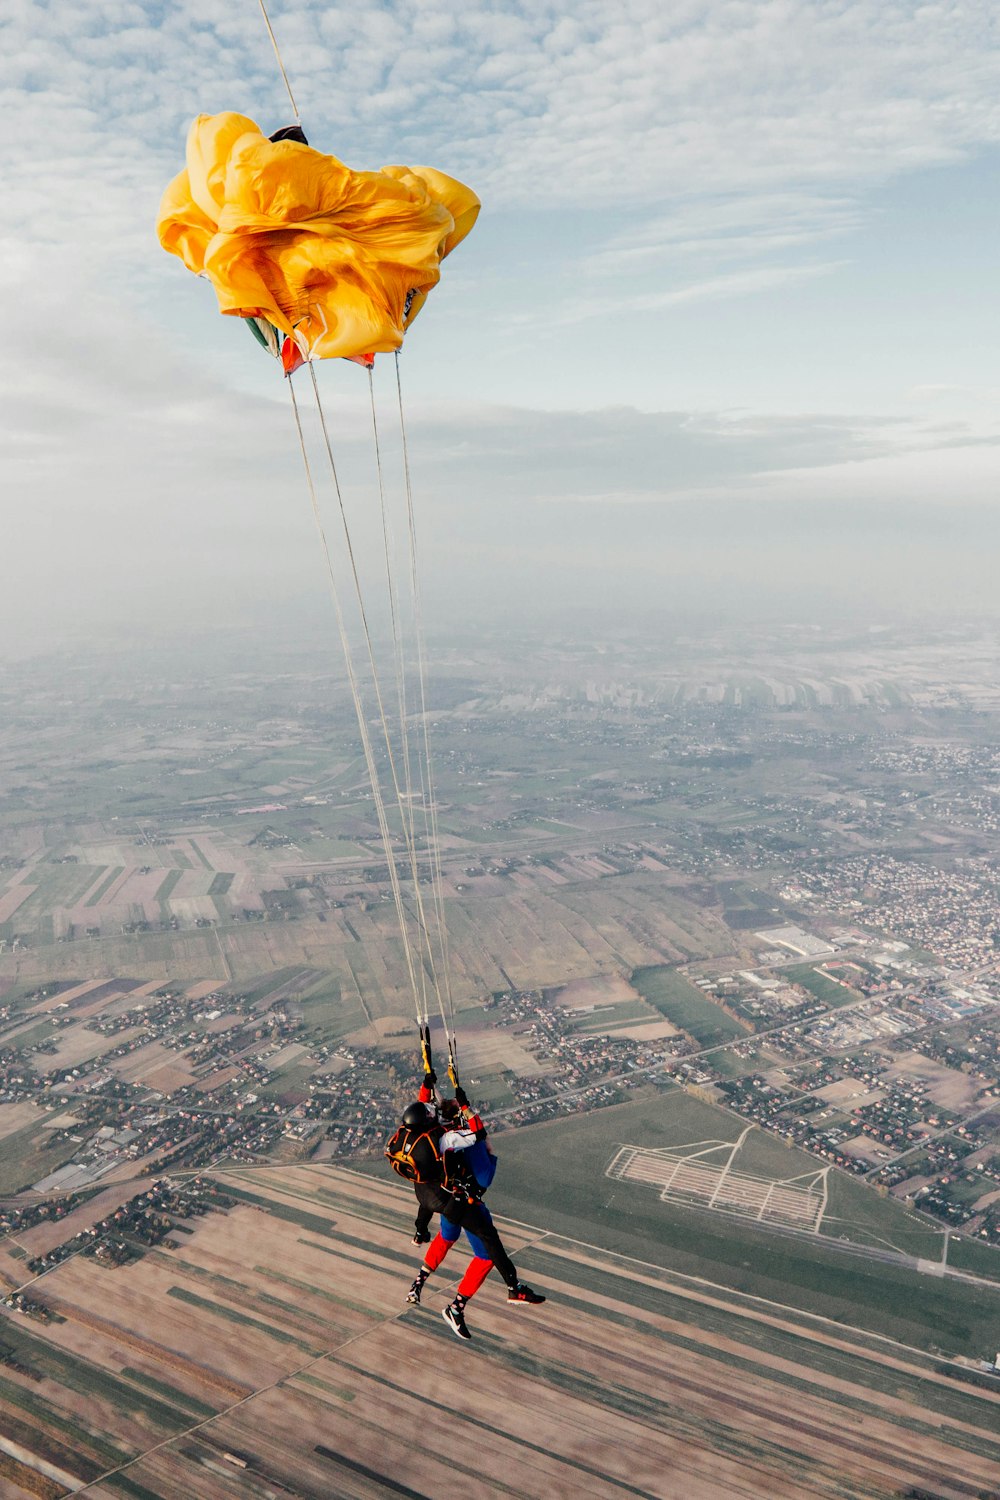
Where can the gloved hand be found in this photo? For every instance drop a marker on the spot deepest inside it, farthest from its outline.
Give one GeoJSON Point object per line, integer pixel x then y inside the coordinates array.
{"type": "Point", "coordinates": [461, 1096]}
{"type": "Point", "coordinates": [421, 1238]}
{"type": "Point", "coordinates": [430, 1078]}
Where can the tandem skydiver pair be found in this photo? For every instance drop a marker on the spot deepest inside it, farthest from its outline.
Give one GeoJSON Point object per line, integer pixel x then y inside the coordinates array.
{"type": "Point", "coordinates": [445, 1154]}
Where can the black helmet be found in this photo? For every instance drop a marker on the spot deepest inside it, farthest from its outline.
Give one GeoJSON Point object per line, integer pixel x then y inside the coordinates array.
{"type": "Point", "coordinates": [416, 1114]}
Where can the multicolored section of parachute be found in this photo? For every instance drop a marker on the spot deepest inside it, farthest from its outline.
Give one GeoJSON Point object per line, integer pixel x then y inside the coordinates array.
{"type": "Point", "coordinates": [324, 262]}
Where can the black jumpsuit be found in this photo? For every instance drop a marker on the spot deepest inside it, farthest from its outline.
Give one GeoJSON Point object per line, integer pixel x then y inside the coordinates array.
{"type": "Point", "coordinates": [433, 1198]}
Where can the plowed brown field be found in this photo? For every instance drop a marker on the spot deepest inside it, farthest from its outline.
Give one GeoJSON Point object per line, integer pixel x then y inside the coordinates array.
{"type": "Point", "coordinates": [277, 1334]}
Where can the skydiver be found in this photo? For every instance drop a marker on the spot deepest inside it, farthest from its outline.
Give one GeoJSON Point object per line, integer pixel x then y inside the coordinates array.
{"type": "Point", "coordinates": [464, 1132]}
{"type": "Point", "coordinates": [454, 1116]}
{"type": "Point", "coordinates": [425, 1214]}
{"type": "Point", "coordinates": [445, 1183]}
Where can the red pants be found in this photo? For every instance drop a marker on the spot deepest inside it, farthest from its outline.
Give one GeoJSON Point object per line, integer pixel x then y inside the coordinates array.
{"type": "Point", "coordinates": [476, 1271]}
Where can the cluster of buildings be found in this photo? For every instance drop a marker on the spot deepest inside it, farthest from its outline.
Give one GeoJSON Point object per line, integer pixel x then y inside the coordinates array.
{"type": "Point", "coordinates": [967, 1198]}
{"type": "Point", "coordinates": [872, 1021]}
{"type": "Point", "coordinates": [573, 1060]}
{"type": "Point", "coordinates": [974, 1050]}
{"type": "Point", "coordinates": [853, 1111]}
{"type": "Point", "coordinates": [937, 1157]}
{"type": "Point", "coordinates": [357, 1099]}
{"type": "Point", "coordinates": [795, 1117]}
{"type": "Point", "coordinates": [952, 913]}
{"type": "Point", "coordinates": [49, 1210]}
{"type": "Point", "coordinates": [760, 1000]}
{"type": "Point", "coordinates": [137, 1225]}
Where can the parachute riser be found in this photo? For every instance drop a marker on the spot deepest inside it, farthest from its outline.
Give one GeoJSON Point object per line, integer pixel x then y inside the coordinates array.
{"type": "Point", "coordinates": [424, 1031]}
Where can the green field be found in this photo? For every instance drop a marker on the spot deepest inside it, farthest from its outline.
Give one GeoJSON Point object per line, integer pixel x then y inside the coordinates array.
{"type": "Point", "coordinates": [328, 1014]}
{"type": "Point", "coordinates": [975, 1256]}
{"type": "Point", "coordinates": [610, 1017]}
{"type": "Point", "coordinates": [55, 885]}
{"type": "Point", "coordinates": [68, 1368]}
{"type": "Point", "coordinates": [201, 855]}
{"type": "Point", "coordinates": [170, 1393]}
{"type": "Point", "coordinates": [553, 1175]}
{"type": "Point", "coordinates": [745, 907]}
{"type": "Point", "coordinates": [729, 1065]}
{"type": "Point", "coordinates": [131, 1489]}
{"type": "Point", "coordinates": [685, 1005]}
{"type": "Point", "coordinates": [339, 848]}
{"type": "Point", "coordinates": [105, 885]}
{"type": "Point", "coordinates": [232, 1315]}
{"type": "Point", "coordinates": [267, 984]}
{"type": "Point", "coordinates": [828, 990]}
{"type": "Point", "coordinates": [29, 1155]}
{"type": "Point", "coordinates": [300, 1217]}
{"type": "Point", "coordinates": [165, 889]}
{"type": "Point", "coordinates": [49, 1426]}
{"type": "Point", "coordinates": [862, 1378]}
{"type": "Point", "coordinates": [493, 1091]}
{"type": "Point", "coordinates": [289, 1083]}
{"type": "Point", "coordinates": [40, 1032]}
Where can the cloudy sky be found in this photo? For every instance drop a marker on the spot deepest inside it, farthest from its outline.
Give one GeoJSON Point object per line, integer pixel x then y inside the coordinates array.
{"type": "Point", "coordinates": [727, 330]}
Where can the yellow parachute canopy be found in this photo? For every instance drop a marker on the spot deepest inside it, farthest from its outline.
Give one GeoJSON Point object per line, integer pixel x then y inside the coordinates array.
{"type": "Point", "coordinates": [339, 261]}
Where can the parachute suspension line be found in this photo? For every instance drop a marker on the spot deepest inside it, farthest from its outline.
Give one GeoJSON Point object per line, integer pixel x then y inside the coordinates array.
{"type": "Point", "coordinates": [423, 767]}
{"type": "Point", "coordinates": [430, 801]}
{"type": "Point", "coordinates": [406, 802]}
{"type": "Point", "coordinates": [281, 65]}
{"type": "Point", "coordinates": [406, 811]}
{"type": "Point", "coordinates": [405, 805]}
{"type": "Point", "coordinates": [387, 737]}
{"type": "Point", "coordinates": [359, 709]}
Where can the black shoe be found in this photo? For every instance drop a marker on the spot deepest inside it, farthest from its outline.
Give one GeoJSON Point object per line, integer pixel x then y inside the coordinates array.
{"type": "Point", "coordinates": [455, 1319]}
{"type": "Point", "coordinates": [420, 1238]}
{"type": "Point", "coordinates": [523, 1293]}
{"type": "Point", "coordinates": [413, 1295]}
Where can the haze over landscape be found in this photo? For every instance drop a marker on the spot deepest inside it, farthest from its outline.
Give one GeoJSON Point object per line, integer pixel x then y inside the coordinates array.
{"type": "Point", "coordinates": [699, 862]}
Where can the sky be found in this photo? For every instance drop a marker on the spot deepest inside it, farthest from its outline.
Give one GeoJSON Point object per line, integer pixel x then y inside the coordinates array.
{"type": "Point", "coordinates": [725, 337]}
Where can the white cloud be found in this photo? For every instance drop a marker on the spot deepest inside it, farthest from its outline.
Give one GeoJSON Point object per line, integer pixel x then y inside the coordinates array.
{"type": "Point", "coordinates": [709, 289]}
{"type": "Point", "coordinates": [944, 475]}
{"type": "Point", "coordinates": [731, 134]}
{"type": "Point", "coordinates": [576, 103]}
{"type": "Point", "coordinates": [726, 228]}
{"type": "Point", "coordinates": [144, 494]}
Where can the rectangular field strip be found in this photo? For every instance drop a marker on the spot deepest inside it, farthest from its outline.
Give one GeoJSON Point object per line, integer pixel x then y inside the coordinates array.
{"type": "Point", "coordinates": [687, 1179]}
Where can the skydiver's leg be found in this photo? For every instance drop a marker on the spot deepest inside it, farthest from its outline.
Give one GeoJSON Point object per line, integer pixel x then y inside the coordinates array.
{"type": "Point", "coordinates": [438, 1248]}
{"type": "Point", "coordinates": [481, 1231]}
{"type": "Point", "coordinates": [477, 1247]}
{"type": "Point", "coordinates": [476, 1220]}
{"type": "Point", "coordinates": [434, 1255]}
{"type": "Point", "coordinates": [425, 1213]}
{"type": "Point", "coordinates": [476, 1273]}
{"type": "Point", "coordinates": [431, 1200]}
